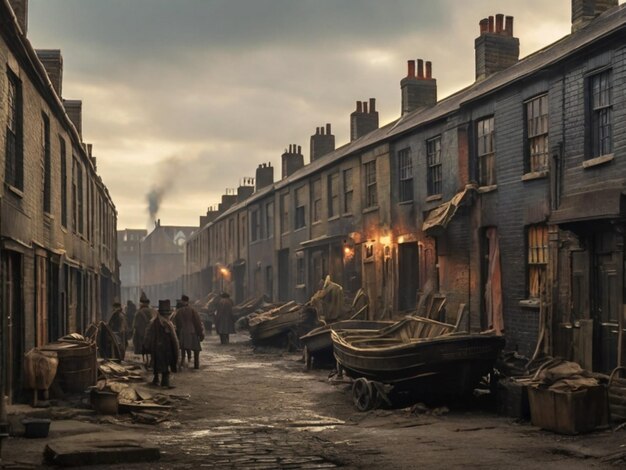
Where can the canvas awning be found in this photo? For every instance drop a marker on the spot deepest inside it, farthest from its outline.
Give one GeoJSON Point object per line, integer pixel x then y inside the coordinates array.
{"type": "Point", "coordinates": [439, 218]}
{"type": "Point", "coordinates": [603, 203]}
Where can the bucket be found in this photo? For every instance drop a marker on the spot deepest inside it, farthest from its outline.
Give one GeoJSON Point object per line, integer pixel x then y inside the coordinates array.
{"type": "Point", "coordinates": [105, 403]}
{"type": "Point", "coordinates": [36, 427]}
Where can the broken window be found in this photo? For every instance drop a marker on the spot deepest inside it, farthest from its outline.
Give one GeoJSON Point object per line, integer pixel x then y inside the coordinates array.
{"type": "Point", "coordinates": [486, 152]}
{"type": "Point", "coordinates": [405, 171]}
{"type": "Point", "coordinates": [537, 259]}
{"type": "Point", "coordinates": [371, 196]}
{"type": "Point", "coordinates": [316, 196]}
{"type": "Point", "coordinates": [600, 114]}
{"type": "Point", "coordinates": [300, 220]}
{"type": "Point", "coordinates": [537, 130]}
{"type": "Point", "coordinates": [14, 163]}
{"type": "Point", "coordinates": [333, 194]}
{"type": "Point", "coordinates": [348, 191]}
{"type": "Point", "coordinates": [433, 160]}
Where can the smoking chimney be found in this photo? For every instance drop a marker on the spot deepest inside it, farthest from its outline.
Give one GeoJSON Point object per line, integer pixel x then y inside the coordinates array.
{"type": "Point", "coordinates": [20, 8]}
{"type": "Point", "coordinates": [584, 11]}
{"type": "Point", "coordinates": [52, 60]}
{"type": "Point", "coordinates": [322, 142]}
{"type": "Point", "coordinates": [496, 48]}
{"type": "Point", "coordinates": [363, 121]}
{"type": "Point", "coordinates": [292, 160]}
{"type": "Point", "coordinates": [419, 89]}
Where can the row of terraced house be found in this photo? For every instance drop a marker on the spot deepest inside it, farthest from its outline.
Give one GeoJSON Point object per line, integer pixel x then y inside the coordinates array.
{"type": "Point", "coordinates": [507, 196]}
{"type": "Point", "coordinates": [58, 255]}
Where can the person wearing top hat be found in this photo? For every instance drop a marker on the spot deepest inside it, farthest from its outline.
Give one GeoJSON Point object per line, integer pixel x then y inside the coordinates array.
{"type": "Point", "coordinates": [190, 331]}
{"type": "Point", "coordinates": [117, 324]}
{"type": "Point", "coordinates": [162, 344]}
{"type": "Point", "coordinates": [224, 321]}
{"type": "Point", "coordinates": [140, 323]}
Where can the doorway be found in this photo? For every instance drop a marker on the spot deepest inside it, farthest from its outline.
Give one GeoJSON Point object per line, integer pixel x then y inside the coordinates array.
{"type": "Point", "coordinates": [408, 275]}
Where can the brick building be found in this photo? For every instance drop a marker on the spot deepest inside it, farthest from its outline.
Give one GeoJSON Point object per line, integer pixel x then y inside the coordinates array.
{"type": "Point", "coordinates": [507, 196]}
{"type": "Point", "coordinates": [129, 256]}
{"type": "Point", "coordinates": [58, 254]}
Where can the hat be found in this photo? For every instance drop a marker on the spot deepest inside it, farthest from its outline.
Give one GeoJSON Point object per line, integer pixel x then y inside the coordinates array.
{"type": "Point", "coordinates": [164, 306]}
{"type": "Point", "coordinates": [224, 295]}
{"type": "Point", "coordinates": [144, 299]}
{"type": "Point", "coordinates": [184, 298]}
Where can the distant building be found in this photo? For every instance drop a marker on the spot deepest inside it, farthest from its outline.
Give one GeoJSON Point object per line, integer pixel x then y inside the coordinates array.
{"type": "Point", "coordinates": [129, 255]}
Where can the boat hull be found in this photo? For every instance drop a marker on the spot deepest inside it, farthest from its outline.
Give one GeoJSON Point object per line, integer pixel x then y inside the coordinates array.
{"type": "Point", "coordinates": [319, 341]}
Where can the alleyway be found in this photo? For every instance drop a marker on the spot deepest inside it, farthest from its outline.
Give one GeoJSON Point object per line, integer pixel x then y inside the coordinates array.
{"type": "Point", "coordinates": [260, 409]}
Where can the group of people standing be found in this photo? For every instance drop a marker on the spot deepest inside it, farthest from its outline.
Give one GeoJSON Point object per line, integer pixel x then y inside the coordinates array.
{"type": "Point", "coordinates": [166, 337]}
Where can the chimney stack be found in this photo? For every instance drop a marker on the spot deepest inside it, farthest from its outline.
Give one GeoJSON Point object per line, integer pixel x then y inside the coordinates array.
{"type": "Point", "coordinates": [418, 90]}
{"type": "Point", "coordinates": [20, 8]}
{"type": "Point", "coordinates": [363, 121]}
{"type": "Point", "coordinates": [292, 160]}
{"type": "Point", "coordinates": [264, 176]}
{"type": "Point", "coordinates": [74, 110]}
{"type": "Point", "coordinates": [52, 60]}
{"type": "Point", "coordinates": [322, 143]}
{"type": "Point", "coordinates": [245, 188]}
{"type": "Point", "coordinates": [496, 48]}
{"type": "Point", "coordinates": [584, 11]}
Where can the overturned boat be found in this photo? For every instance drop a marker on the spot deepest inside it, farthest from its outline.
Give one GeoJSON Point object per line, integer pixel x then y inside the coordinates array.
{"type": "Point", "coordinates": [425, 357]}
{"type": "Point", "coordinates": [282, 326]}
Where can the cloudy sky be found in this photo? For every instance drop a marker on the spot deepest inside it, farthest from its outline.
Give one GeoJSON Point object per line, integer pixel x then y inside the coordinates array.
{"type": "Point", "coordinates": [194, 94]}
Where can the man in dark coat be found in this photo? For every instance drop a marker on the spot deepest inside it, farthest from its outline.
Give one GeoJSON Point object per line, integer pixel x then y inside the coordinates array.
{"type": "Point", "coordinates": [117, 323]}
{"type": "Point", "coordinates": [224, 321]}
{"type": "Point", "coordinates": [190, 332]}
{"type": "Point", "coordinates": [142, 318]}
{"type": "Point", "coordinates": [131, 309]}
{"type": "Point", "coordinates": [161, 342]}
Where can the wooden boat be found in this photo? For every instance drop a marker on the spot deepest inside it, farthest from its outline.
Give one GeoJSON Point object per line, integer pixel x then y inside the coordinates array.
{"type": "Point", "coordinates": [416, 354]}
{"type": "Point", "coordinates": [318, 344]}
{"type": "Point", "coordinates": [284, 324]}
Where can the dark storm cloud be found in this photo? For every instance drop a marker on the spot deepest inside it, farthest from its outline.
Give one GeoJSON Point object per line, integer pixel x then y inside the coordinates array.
{"type": "Point", "coordinates": [226, 84]}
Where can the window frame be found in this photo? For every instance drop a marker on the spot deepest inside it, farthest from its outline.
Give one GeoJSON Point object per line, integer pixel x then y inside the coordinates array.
{"type": "Point", "coordinates": [537, 259]}
{"type": "Point", "coordinates": [284, 213]}
{"type": "Point", "coordinates": [434, 171]}
{"type": "Point", "coordinates": [537, 133]}
{"type": "Point", "coordinates": [486, 151]}
{"type": "Point", "coordinates": [316, 197]}
{"type": "Point", "coordinates": [14, 133]}
{"type": "Point", "coordinates": [269, 219]}
{"type": "Point", "coordinates": [595, 146]}
{"type": "Point", "coordinates": [334, 207]}
{"type": "Point", "coordinates": [300, 212]}
{"type": "Point", "coordinates": [405, 175]}
{"type": "Point", "coordinates": [348, 190]}
{"type": "Point", "coordinates": [370, 181]}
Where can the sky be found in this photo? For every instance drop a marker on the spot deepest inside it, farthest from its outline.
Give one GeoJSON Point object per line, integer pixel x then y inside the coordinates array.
{"type": "Point", "coordinates": [187, 97]}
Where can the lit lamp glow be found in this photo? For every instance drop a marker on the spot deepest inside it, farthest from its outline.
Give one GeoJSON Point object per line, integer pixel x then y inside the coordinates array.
{"type": "Point", "coordinates": [386, 240]}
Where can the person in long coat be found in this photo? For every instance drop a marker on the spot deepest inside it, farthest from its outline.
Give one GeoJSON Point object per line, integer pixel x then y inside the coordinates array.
{"type": "Point", "coordinates": [224, 321]}
{"type": "Point", "coordinates": [140, 323]}
{"type": "Point", "coordinates": [117, 323]}
{"type": "Point", "coordinates": [190, 331]}
{"type": "Point", "coordinates": [162, 344]}
{"type": "Point", "coordinates": [131, 309]}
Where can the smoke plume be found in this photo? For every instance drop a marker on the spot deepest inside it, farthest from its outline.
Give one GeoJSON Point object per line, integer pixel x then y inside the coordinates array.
{"type": "Point", "coordinates": [166, 179]}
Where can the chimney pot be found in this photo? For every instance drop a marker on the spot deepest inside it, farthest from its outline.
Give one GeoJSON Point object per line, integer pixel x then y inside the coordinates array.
{"type": "Point", "coordinates": [364, 107]}
{"type": "Point", "coordinates": [299, 149]}
{"type": "Point", "coordinates": [328, 129]}
{"type": "Point", "coordinates": [491, 24]}
{"type": "Point", "coordinates": [317, 131]}
{"type": "Point", "coordinates": [509, 26]}
{"type": "Point", "coordinates": [420, 68]}
{"type": "Point", "coordinates": [411, 69]}
{"type": "Point", "coordinates": [359, 107]}
{"type": "Point", "coordinates": [372, 105]}
{"type": "Point", "coordinates": [484, 26]}
{"type": "Point", "coordinates": [429, 69]}
{"type": "Point", "coordinates": [499, 23]}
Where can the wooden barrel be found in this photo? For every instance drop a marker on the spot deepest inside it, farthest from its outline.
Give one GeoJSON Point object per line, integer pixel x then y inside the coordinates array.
{"type": "Point", "coordinates": [77, 365]}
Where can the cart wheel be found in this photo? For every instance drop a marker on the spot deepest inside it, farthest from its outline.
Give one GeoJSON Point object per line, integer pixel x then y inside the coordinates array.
{"type": "Point", "coordinates": [363, 394]}
{"type": "Point", "coordinates": [308, 359]}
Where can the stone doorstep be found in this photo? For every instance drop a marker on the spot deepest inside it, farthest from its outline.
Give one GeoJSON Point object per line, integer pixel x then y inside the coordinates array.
{"type": "Point", "coordinates": [102, 448]}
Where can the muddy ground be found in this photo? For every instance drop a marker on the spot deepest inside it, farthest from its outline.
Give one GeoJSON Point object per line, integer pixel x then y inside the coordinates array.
{"type": "Point", "coordinates": [261, 409]}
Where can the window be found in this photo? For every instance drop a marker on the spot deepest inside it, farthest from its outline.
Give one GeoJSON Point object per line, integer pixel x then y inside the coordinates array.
{"type": "Point", "coordinates": [348, 191]}
{"type": "Point", "coordinates": [300, 220]}
{"type": "Point", "coordinates": [600, 114]}
{"type": "Point", "coordinates": [486, 152]}
{"type": "Point", "coordinates": [537, 259]}
{"type": "Point", "coordinates": [45, 154]}
{"type": "Point", "coordinates": [269, 219]}
{"type": "Point", "coordinates": [81, 210]}
{"type": "Point", "coordinates": [537, 129]}
{"type": "Point", "coordinates": [371, 196]}
{"type": "Point", "coordinates": [333, 195]}
{"type": "Point", "coordinates": [405, 173]}
{"type": "Point", "coordinates": [254, 225]}
{"type": "Point", "coordinates": [300, 271]}
{"type": "Point", "coordinates": [14, 171]}
{"type": "Point", "coordinates": [433, 160]}
{"type": "Point", "coordinates": [284, 208]}
{"type": "Point", "coordinates": [77, 196]}
{"type": "Point", "coordinates": [231, 234]}
{"type": "Point", "coordinates": [316, 196]}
